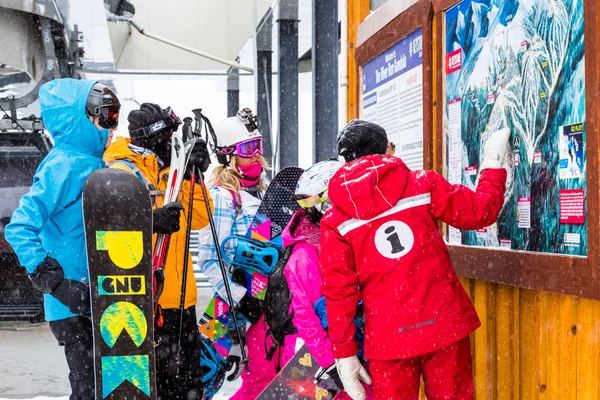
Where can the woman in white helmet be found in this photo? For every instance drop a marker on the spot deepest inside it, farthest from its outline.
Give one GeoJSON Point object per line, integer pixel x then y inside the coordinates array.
{"type": "Point", "coordinates": [238, 184]}
{"type": "Point", "coordinates": [302, 269]}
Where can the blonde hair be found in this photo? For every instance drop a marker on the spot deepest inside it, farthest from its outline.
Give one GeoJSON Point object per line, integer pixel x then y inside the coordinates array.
{"type": "Point", "coordinates": [228, 177]}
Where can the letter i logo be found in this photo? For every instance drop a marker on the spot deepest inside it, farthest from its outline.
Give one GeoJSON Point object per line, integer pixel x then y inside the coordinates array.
{"type": "Point", "coordinates": [394, 239]}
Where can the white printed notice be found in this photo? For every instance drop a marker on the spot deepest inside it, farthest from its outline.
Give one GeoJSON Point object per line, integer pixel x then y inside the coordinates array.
{"type": "Point", "coordinates": [454, 156]}
{"type": "Point", "coordinates": [392, 96]}
{"type": "Point", "coordinates": [524, 209]}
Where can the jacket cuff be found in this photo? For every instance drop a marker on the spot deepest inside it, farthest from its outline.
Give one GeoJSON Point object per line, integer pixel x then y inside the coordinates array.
{"type": "Point", "coordinates": [344, 350]}
{"type": "Point", "coordinates": [493, 173]}
{"type": "Point", "coordinates": [326, 360]}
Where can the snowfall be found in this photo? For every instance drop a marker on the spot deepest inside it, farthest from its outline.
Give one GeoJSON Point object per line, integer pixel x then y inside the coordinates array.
{"type": "Point", "coordinates": [33, 366]}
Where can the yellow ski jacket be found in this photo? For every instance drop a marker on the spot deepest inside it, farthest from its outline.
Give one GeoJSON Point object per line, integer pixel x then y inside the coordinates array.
{"type": "Point", "coordinates": [148, 167]}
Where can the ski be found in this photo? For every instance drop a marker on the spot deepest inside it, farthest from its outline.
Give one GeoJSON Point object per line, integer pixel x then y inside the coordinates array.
{"type": "Point", "coordinates": [179, 159]}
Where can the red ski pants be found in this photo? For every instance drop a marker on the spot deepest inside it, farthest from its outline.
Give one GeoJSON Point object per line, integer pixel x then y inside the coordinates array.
{"type": "Point", "coordinates": [447, 373]}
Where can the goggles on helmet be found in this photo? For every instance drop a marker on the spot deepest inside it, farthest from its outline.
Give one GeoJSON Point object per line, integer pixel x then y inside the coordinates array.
{"type": "Point", "coordinates": [312, 201]}
{"type": "Point", "coordinates": [109, 117]}
{"type": "Point", "coordinates": [170, 120]}
{"type": "Point", "coordinates": [246, 149]}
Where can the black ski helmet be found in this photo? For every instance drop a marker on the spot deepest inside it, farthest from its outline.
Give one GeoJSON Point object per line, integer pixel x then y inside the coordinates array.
{"type": "Point", "coordinates": [360, 138]}
{"type": "Point", "coordinates": [151, 125]}
{"type": "Point", "coordinates": [103, 102]}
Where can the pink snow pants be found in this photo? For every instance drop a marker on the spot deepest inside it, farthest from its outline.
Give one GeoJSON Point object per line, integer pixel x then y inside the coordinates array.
{"type": "Point", "coordinates": [262, 372]}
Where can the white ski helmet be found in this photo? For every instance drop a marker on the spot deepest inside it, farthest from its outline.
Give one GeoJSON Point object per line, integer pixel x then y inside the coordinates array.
{"type": "Point", "coordinates": [234, 130]}
{"type": "Point", "coordinates": [312, 187]}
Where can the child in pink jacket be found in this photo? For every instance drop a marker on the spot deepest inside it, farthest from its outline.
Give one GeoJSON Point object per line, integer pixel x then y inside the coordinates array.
{"type": "Point", "coordinates": [302, 269]}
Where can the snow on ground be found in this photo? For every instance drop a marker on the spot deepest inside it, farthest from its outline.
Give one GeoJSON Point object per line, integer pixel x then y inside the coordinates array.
{"type": "Point", "coordinates": [33, 366]}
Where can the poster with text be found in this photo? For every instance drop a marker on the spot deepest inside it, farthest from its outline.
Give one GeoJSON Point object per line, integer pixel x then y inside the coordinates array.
{"type": "Point", "coordinates": [519, 64]}
{"type": "Point", "coordinates": [392, 96]}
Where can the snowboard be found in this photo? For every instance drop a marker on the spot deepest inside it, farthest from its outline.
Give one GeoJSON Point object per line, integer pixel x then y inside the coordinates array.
{"type": "Point", "coordinates": [117, 215]}
{"type": "Point", "coordinates": [276, 208]}
{"type": "Point", "coordinates": [296, 381]}
{"type": "Point", "coordinates": [275, 211]}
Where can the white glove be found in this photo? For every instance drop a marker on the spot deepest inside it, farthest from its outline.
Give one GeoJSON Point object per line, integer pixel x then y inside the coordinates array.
{"type": "Point", "coordinates": [351, 373]}
{"type": "Point", "coordinates": [494, 150]}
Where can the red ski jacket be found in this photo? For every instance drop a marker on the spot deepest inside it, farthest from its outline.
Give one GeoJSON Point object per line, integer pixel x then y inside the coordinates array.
{"type": "Point", "coordinates": [380, 243]}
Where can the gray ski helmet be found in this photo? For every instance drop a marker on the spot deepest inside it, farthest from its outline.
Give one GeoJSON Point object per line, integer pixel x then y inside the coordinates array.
{"type": "Point", "coordinates": [360, 138]}
{"type": "Point", "coordinates": [103, 102]}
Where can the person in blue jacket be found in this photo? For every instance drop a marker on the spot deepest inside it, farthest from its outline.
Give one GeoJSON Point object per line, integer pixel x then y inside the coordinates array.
{"type": "Point", "coordinates": [46, 231]}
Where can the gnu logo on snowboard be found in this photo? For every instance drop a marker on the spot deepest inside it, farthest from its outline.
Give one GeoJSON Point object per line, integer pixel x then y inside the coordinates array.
{"type": "Point", "coordinates": [117, 285]}
{"type": "Point", "coordinates": [394, 239]}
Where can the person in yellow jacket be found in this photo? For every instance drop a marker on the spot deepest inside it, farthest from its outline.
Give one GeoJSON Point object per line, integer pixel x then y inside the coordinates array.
{"type": "Point", "coordinates": [147, 154]}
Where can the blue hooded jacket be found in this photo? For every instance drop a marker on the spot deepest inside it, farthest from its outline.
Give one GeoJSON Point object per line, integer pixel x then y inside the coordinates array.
{"type": "Point", "coordinates": [49, 220]}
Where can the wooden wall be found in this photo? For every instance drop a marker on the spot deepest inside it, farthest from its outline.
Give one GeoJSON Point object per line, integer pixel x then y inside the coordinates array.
{"type": "Point", "coordinates": [534, 345]}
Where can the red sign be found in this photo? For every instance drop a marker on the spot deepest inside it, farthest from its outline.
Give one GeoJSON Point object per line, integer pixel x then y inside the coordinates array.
{"type": "Point", "coordinates": [454, 61]}
{"type": "Point", "coordinates": [572, 206]}
{"type": "Point", "coordinates": [471, 171]}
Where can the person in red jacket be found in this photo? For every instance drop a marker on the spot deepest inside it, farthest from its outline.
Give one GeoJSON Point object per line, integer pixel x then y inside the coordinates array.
{"type": "Point", "coordinates": [380, 243]}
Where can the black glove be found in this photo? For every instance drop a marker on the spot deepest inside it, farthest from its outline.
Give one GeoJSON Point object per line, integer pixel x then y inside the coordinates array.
{"type": "Point", "coordinates": [73, 294]}
{"type": "Point", "coordinates": [331, 373]}
{"type": "Point", "coordinates": [166, 220]}
{"type": "Point", "coordinates": [199, 158]}
{"type": "Point", "coordinates": [251, 308]}
{"type": "Point", "coordinates": [47, 275]}
{"type": "Point", "coordinates": [233, 363]}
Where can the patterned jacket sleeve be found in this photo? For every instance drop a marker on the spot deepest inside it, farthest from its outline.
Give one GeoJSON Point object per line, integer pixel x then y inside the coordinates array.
{"type": "Point", "coordinates": [224, 215]}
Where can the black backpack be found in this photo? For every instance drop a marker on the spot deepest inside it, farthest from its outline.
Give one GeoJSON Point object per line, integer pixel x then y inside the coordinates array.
{"type": "Point", "coordinates": [277, 305]}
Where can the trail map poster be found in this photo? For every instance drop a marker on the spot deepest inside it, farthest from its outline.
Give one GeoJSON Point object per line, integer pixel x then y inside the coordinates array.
{"type": "Point", "coordinates": [520, 64]}
{"type": "Point", "coordinates": [392, 96]}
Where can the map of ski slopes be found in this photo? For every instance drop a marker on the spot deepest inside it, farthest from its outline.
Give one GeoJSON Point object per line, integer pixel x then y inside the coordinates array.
{"type": "Point", "coordinates": [521, 65]}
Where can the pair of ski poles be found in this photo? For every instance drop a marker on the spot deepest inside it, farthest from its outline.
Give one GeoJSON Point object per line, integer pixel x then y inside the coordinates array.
{"type": "Point", "coordinates": [199, 175]}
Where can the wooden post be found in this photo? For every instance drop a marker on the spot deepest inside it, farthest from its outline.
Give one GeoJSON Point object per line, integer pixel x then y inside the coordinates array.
{"type": "Point", "coordinates": [358, 10]}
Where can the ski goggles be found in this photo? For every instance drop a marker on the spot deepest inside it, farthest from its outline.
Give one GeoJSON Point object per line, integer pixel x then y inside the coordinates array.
{"type": "Point", "coordinates": [246, 149]}
{"type": "Point", "coordinates": [109, 117]}
{"type": "Point", "coordinates": [312, 201]}
{"type": "Point", "coordinates": [168, 124]}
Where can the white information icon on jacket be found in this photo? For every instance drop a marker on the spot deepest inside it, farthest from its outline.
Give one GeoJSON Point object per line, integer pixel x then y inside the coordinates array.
{"type": "Point", "coordinates": [394, 239]}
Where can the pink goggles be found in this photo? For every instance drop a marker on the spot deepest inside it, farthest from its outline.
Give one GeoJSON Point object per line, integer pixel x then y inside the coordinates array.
{"type": "Point", "coordinates": [246, 149]}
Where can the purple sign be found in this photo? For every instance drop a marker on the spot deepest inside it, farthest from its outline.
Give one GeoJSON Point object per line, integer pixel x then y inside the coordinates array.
{"type": "Point", "coordinates": [398, 59]}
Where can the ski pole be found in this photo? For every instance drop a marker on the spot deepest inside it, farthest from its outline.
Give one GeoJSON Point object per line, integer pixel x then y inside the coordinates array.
{"type": "Point", "coordinates": [223, 271]}
{"type": "Point", "coordinates": [186, 256]}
